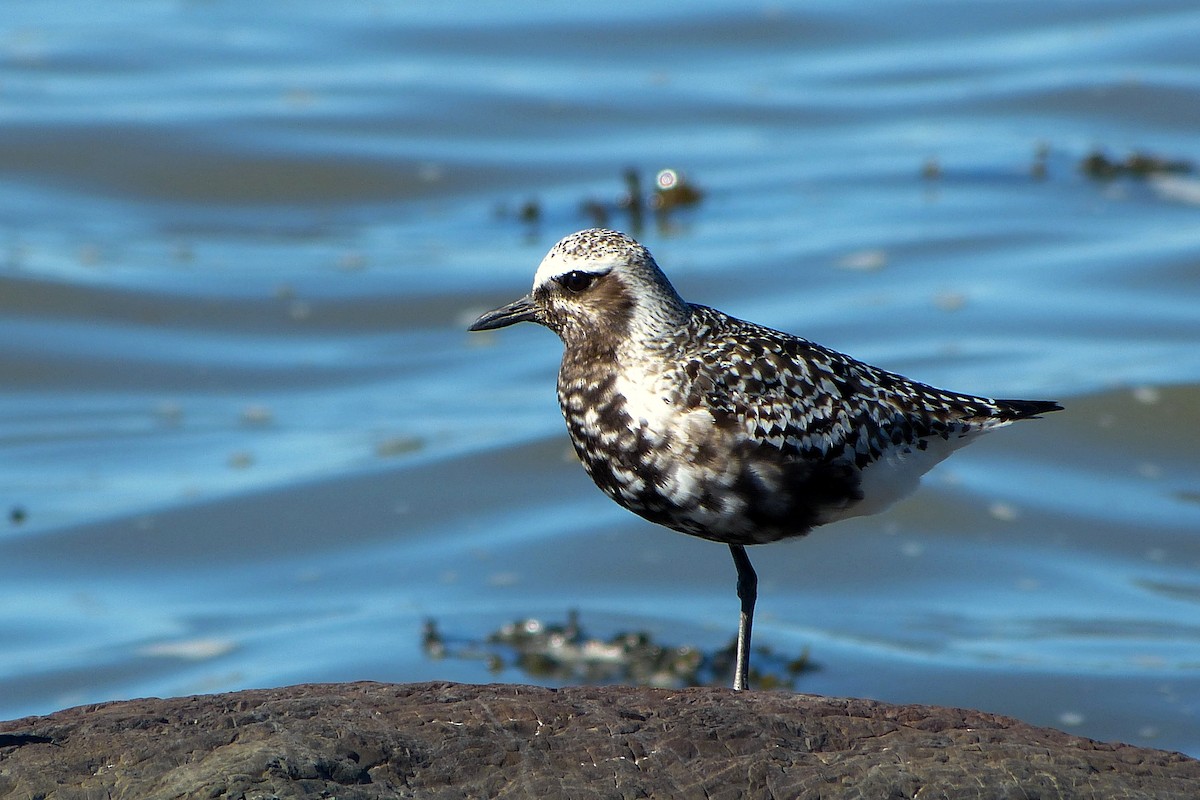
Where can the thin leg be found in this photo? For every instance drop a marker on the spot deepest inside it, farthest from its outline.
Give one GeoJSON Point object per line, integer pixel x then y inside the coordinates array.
{"type": "Point", "coordinates": [747, 590]}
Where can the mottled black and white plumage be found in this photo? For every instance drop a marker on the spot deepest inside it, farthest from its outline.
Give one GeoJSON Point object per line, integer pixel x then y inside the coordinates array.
{"type": "Point", "coordinates": [725, 429]}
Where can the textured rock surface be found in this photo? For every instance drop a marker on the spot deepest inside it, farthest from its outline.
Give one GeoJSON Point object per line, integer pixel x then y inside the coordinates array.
{"type": "Point", "coordinates": [439, 740]}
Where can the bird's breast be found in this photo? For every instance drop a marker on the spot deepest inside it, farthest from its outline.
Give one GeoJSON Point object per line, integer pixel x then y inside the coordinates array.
{"type": "Point", "coordinates": [663, 460]}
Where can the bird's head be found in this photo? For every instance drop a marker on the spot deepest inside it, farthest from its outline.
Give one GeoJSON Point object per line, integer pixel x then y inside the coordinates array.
{"type": "Point", "coordinates": [595, 283]}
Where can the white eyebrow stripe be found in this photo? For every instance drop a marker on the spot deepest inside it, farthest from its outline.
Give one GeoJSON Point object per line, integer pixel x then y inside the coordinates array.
{"type": "Point", "coordinates": [555, 265]}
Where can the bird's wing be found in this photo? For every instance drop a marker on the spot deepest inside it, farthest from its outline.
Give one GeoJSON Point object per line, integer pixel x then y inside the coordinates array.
{"type": "Point", "coordinates": [814, 403]}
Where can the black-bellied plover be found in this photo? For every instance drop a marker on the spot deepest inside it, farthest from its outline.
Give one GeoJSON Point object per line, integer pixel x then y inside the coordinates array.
{"type": "Point", "coordinates": [725, 429]}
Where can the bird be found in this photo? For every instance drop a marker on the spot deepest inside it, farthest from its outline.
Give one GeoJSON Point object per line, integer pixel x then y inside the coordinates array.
{"type": "Point", "coordinates": [724, 429]}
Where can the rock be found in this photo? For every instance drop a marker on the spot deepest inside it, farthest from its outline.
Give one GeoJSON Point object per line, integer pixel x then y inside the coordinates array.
{"type": "Point", "coordinates": [443, 740]}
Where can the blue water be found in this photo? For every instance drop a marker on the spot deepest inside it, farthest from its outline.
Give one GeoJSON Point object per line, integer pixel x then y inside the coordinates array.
{"type": "Point", "coordinates": [246, 441]}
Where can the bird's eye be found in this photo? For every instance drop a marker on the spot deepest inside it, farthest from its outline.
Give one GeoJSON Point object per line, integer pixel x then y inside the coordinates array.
{"type": "Point", "coordinates": [575, 281]}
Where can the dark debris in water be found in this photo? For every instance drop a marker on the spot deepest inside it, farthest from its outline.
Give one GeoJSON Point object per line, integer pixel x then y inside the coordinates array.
{"type": "Point", "coordinates": [672, 190]}
{"type": "Point", "coordinates": [629, 209]}
{"type": "Point", "coordinates": [1099, 166]}
{"type": "Point", "coordinates": [565, 653]}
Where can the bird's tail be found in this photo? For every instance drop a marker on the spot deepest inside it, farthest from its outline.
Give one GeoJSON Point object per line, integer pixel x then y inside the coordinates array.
{"type": "Point", "coordinates": [1026, 409]}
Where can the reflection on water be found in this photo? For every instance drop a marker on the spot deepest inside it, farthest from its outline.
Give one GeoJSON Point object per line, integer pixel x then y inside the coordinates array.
{"type": "Point", "coordinates": [247, 441]}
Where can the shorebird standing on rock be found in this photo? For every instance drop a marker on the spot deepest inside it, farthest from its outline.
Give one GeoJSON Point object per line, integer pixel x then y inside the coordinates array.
{"type": "Point", "coordinates": [725, 429]}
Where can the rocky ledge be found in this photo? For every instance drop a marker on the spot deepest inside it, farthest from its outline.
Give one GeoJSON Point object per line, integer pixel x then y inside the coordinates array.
{"type": "Point", "coordinates": [443, 740]}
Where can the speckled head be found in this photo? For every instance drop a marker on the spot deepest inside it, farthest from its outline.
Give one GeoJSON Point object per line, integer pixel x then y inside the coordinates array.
{"type": "Point", "coordinates": [593, 285]}
{"type": "Point", "coordinates": [596, 251]}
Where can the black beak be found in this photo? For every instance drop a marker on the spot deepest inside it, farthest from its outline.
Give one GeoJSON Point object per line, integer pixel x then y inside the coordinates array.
{"type": "Point", "coordinates": [523, 310]}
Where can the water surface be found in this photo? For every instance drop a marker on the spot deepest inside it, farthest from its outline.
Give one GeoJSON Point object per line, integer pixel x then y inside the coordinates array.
{"type": "Point", "coordinates": [247, 441]}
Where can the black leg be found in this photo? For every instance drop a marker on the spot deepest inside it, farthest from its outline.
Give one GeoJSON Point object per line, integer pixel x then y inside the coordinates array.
{"type": "Point", "coordinates": [747, 590]}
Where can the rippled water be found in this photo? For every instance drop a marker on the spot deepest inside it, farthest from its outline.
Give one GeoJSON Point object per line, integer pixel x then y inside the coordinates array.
{"type": "Point", "coordinates": [247, 441]}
